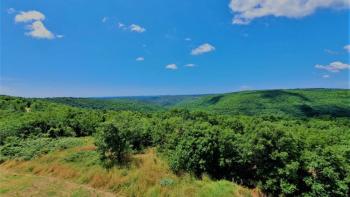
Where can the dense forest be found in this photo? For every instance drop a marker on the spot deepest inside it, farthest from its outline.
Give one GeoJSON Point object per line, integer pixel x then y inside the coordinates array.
{"type": "Point", "coordinates": [283, 142]}
{"type": "Point", "coordinates": [296, 103]}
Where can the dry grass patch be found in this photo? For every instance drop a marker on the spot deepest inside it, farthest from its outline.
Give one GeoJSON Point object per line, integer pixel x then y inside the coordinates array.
{"type": "Point", "coordinates": [146, 175]}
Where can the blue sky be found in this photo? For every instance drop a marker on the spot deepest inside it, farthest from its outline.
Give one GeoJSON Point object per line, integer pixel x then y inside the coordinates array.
{"type": "Point", "coordinates": [156, 47]}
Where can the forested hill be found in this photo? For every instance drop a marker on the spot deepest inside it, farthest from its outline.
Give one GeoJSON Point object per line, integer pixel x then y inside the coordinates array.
{"type": "Point", "coordinates": [298, 103]}
{"type": "Point", "coordinates": [107, 104]}
{"type": "Point", "coordinates": [292, 103]}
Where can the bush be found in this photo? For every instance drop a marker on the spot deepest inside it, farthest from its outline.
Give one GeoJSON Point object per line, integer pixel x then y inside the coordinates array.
{"type": "Point", "coordinates": [197, 150]}
{"type": "Point", "coordinates": [112, 144]}
{"type": "Point", "coordinates": [328, 172]}
{"type": "Point", "coordinates": [276, 157]}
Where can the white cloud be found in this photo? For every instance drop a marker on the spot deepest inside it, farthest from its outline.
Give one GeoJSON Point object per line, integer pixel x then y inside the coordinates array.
{"type": "Point", "coordinates": [188, 39]}
{"type": "Point", "coordinates": [133, 27]}
{"type": "Point", "coordinates": [11, 11]}
{"type": "Point", "coordinates": [189, 65]}
{"type": "Point", "coordinates": [38, 30]}
{"type": "Point", "coordinates": [29, 16]}
{"type": "Point", "coordinates": [136, 28]}
{"type": "Point", "coordinates": [104, 19]}
{"type": "Point", "coordinates": [59, 36]}
{"type": "Point", "coordinates": [204, 48]}
{"type": "Point", "coordinates": [334, 66]}
{"type": "Point", "coordinates": [121, 25]}
{"type": "Point", "coordinates": [247, 10]}
{"type": "Point", "coordinates": [326, 76]}
{"type": "Point", "coordinates": [171, 67]}
{"type": "Point", "coordinates": [140, 59]}
{"type": "Point", "coordinates": [347, 48]}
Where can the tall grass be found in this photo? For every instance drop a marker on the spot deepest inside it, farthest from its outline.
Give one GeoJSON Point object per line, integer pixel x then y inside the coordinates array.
{"type": "Point", "coordinates": [146, 175]}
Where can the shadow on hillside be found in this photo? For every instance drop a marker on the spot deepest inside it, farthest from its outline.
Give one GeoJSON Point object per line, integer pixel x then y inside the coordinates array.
{"type": "Point", "coordinates": [215, 99]}
{"type": "Point", "coordinates": [275, 94]}
{"type": "Point", "coordinates": [329, 110]}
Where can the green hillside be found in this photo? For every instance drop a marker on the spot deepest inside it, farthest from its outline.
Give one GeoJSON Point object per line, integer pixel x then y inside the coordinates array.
{"type": "Point", "coordinates": [295, 103]}
{"type": "Point", "coordinates": [107, 104]}
{"type": "Point", "coordinates": [163, 101]}
{"type": "Point", "coordinates": [299, 103]}
{"type": "Point", "coordinates": [292, 103]}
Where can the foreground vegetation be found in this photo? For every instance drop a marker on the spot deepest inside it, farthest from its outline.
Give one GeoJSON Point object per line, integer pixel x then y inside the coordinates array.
{"type": "Point", "coordinates": [178, 152]}
{"type": "Point", "coordinates": [79, 167]}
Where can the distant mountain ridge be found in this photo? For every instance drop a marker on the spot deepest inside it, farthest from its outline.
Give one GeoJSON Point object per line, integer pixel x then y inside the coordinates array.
{"type": "Point", "coordinates": [295, 103]}
{"type": "Point", "coordinates": [281, 102]}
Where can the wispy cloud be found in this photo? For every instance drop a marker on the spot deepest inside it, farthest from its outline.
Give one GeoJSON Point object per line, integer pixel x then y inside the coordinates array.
{"type": "Point", "coordinates": [204, 48]}
{"type": "Point", "coordinates": [136, 28]}
{"type": "Point", "coordinates": [247, 10]}
{"type": "Point", "coordinates": [347, 48]}
{"type": "Point", "coordinates": [104, 19]}
{"type": "Point", "coordinates": [171, 67]}
{"type": "Point", "coordinates": [188, 39]}
{"type": "Point", "coordinates": [190, 65]}
{"type": "Point", "coordinates": [11, 10]}
{"type": "Point", "coordinates": [140, 59]}
{"type": "Point", "coordinates": [133, 27]}
{"type": "Point", "coordinates": [334, 66]}
{"type": "Point", "coordinates": [245, 87]}
{"type": "Point", "coordinates": [331, 52]}
{"type": "Point", "coordinates": [326, 76]}
{"type": "Point", "coordinates": [121, 25]}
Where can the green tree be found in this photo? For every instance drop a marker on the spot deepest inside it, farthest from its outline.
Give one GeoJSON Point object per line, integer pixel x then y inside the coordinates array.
{"type": "Point", "coordinates": [112, 144]}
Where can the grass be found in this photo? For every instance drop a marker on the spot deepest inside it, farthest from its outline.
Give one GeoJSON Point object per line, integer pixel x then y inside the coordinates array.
{"type": "Point", "coordinates": [24, 184]}
{"type": "Point", "coordinates": [78, 169]}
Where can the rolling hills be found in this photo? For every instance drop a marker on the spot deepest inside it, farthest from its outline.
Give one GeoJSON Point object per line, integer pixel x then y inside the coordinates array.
{"type": "Point", "coordinates": [107, 104]}
{"type": "Point", "coordinates": [292, 103]}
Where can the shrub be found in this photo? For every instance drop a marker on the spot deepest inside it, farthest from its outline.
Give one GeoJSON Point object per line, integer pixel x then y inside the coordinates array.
{"type": "Point", "coordinates": [112, 144]}
{"type": "Point", "coordinates": [328, 172]}
{"type": "Point", "coordinates": [276, 156]}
